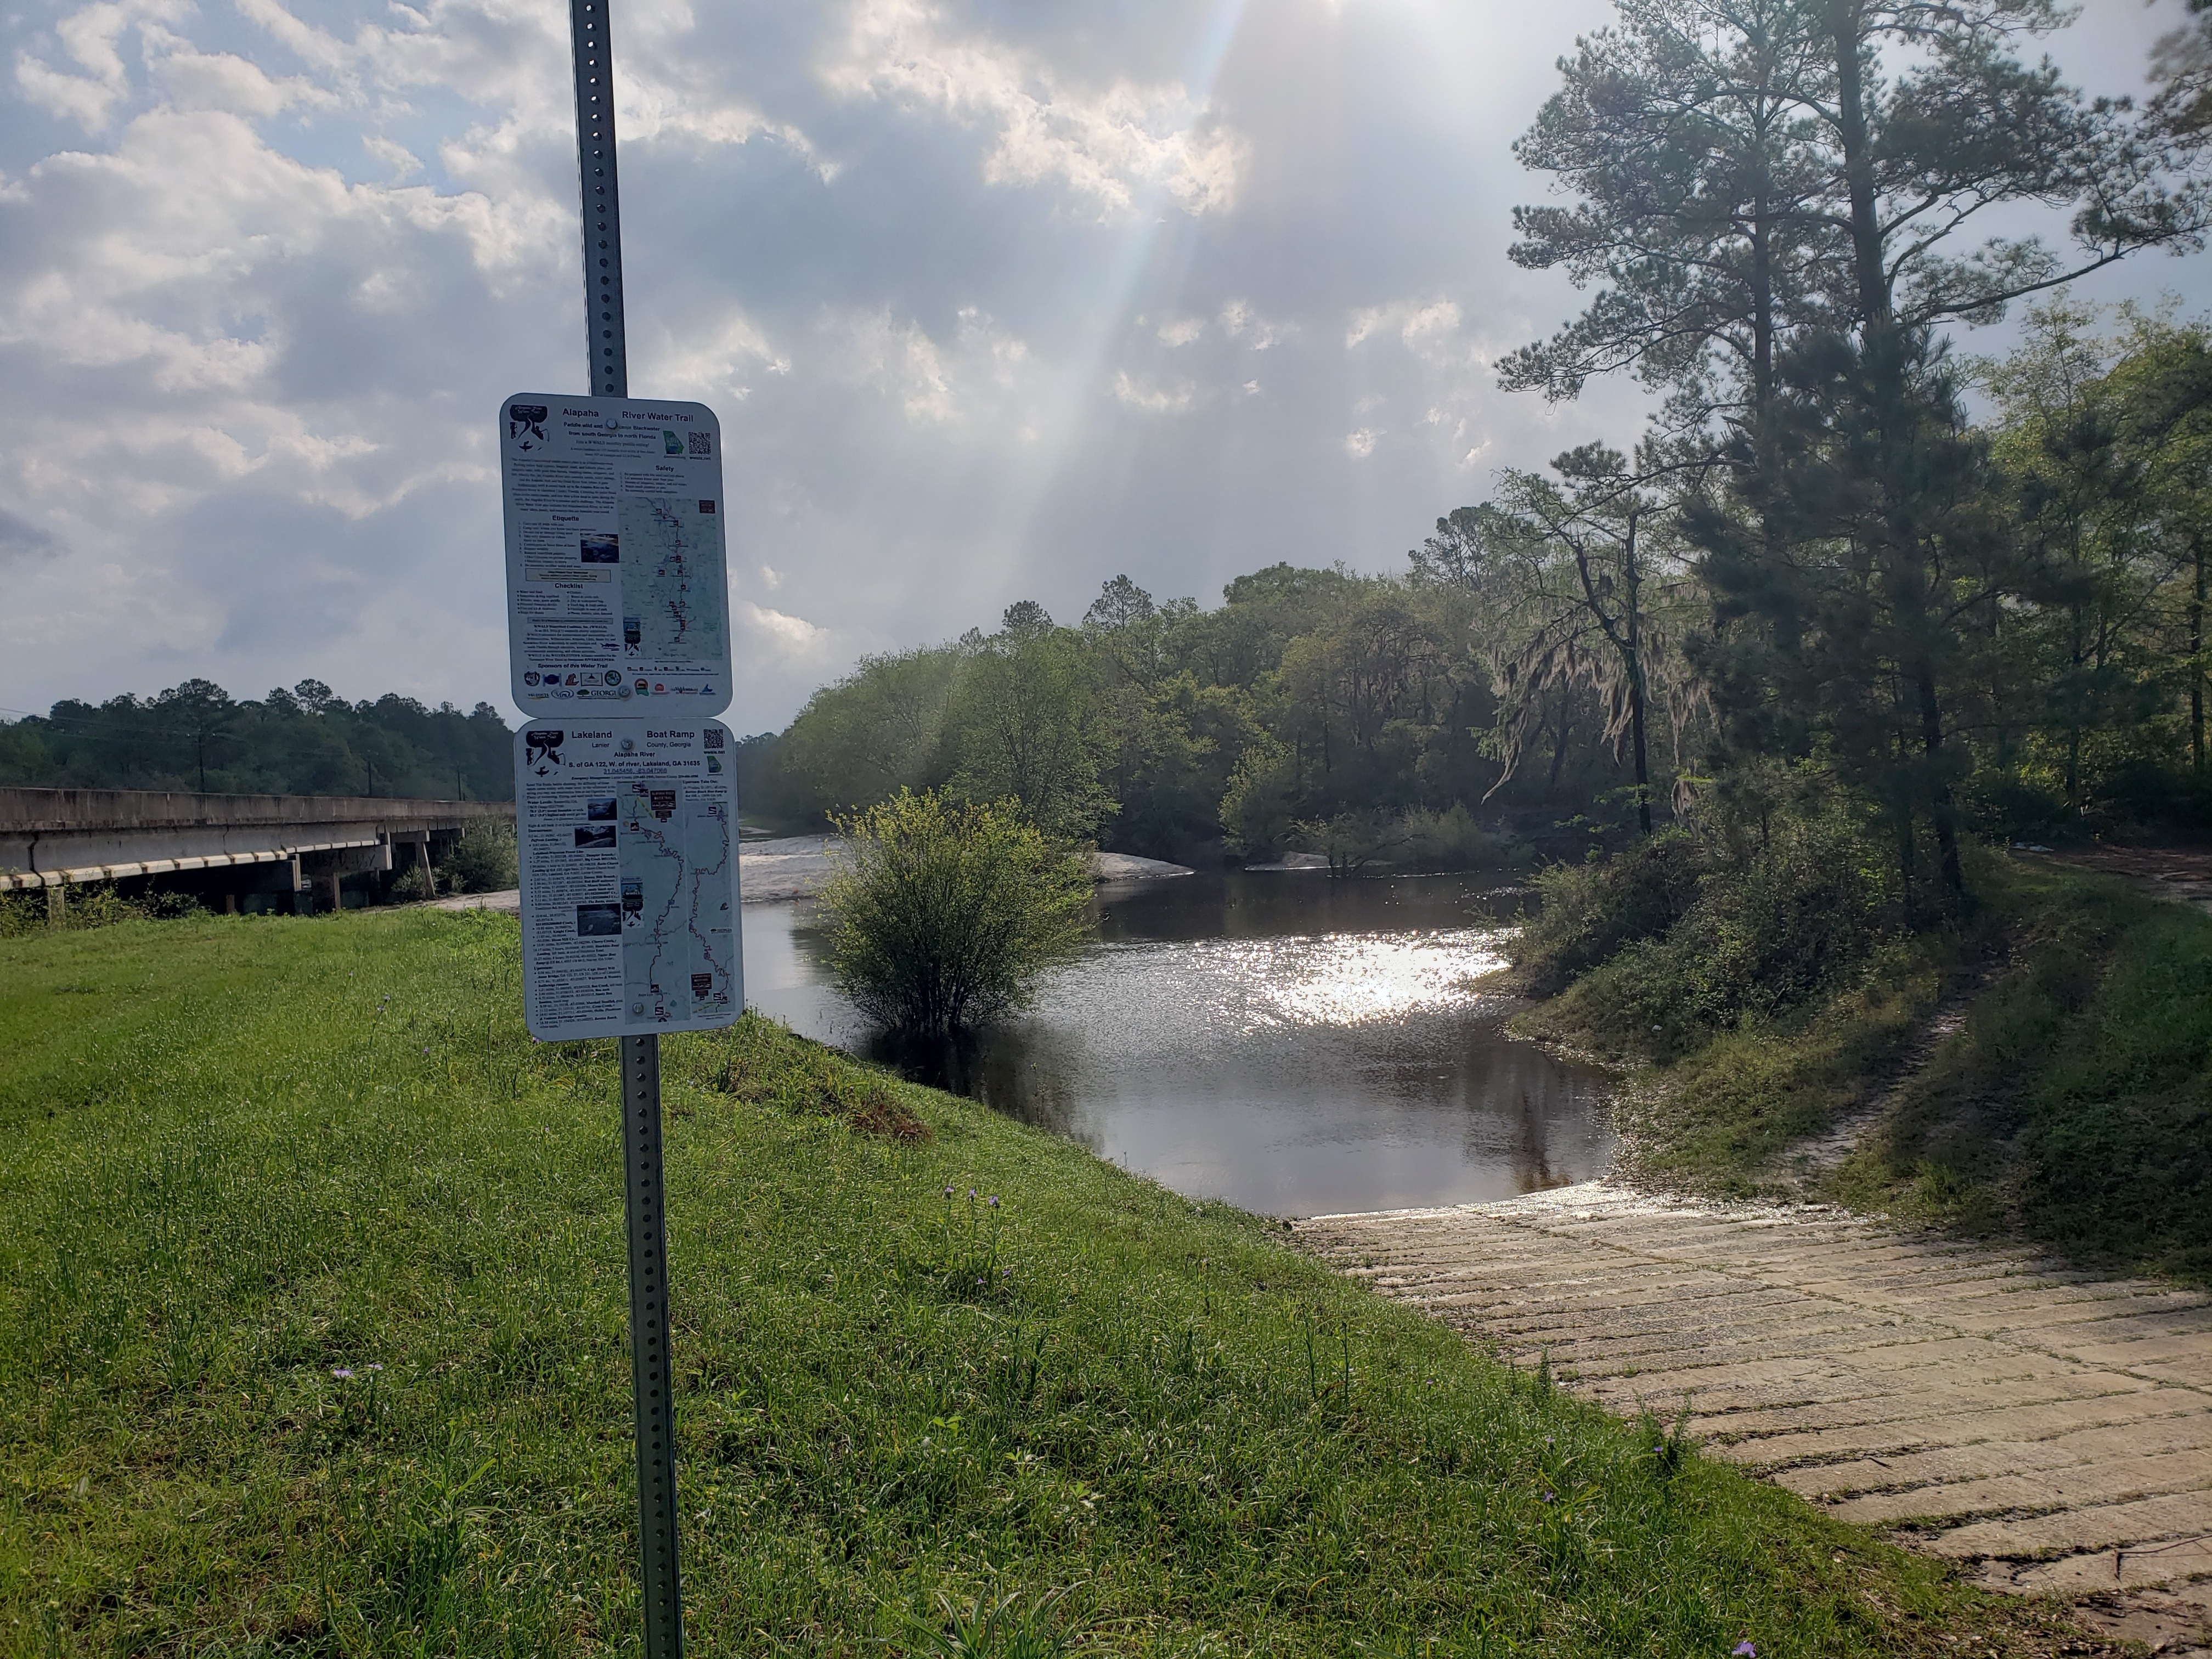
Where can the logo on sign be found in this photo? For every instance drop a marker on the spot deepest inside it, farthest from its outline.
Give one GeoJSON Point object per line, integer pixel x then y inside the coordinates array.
{"type": "Point", "coordinates": [542, 751]}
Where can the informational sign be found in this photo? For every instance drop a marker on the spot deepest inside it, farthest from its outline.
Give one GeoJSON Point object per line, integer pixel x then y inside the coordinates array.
{"type": "Point", "coordinates": [628, 831]}
{"type": "Point", "coordinates": [617, 584]}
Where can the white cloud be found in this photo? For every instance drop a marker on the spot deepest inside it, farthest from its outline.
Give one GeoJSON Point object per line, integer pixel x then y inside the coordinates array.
{"type": "Point", "coordinates": [1175, 399]}
{"type": "Point", "coordinates": [716, 362]}
{"type": "Point", "coordinates": [785, 636]}
{"type": "Point", "coordinates": [1361, 444]}
{"type": "Point", "coordinates": [1433, 329]}
{"type": "Point", "coordinates": [1108, 148]}
{"type": "Point", "coordinates": [1181, 331]}
{"type": "Point", "coordinates": [900, 360]}
{"type": "Point", "coordinates": [771, 577]}
{"type": "Point", "coordinates": [222, 81]}
{"type": "Point", "coordinates": [1240, 322]}
{"type": "Point", "coordinates": [92, 37]}
{"type": "Point", "coordinates": [978, 379]}
{"type": "Point", "coordinates": [402, 161]}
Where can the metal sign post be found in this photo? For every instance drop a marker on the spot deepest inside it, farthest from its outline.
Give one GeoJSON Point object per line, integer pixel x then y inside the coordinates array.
{"type": "Point", "coordinates": [592, 50]}
{"type": "Point", "coordinates": [652, 1377]}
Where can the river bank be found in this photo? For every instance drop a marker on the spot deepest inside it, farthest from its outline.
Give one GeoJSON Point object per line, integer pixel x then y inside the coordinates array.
{"type": "Point", "coordinates": [311, 1335]}
{"type": "Point", "coordinates": [2042, 1069]}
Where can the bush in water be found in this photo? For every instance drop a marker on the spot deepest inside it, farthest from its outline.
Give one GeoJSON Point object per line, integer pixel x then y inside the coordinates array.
{"type": "Point", "coordinates": [944, 914]}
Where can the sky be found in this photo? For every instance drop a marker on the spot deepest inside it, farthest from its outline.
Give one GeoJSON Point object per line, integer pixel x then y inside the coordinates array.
{"type": "Point", "coordinates": [994, 301]}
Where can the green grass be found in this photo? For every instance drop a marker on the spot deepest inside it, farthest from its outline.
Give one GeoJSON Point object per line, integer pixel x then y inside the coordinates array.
{"type": "Point", "coordinates": [240, 1159]}
{"type": "Point", "coordinates": [2074, 1105]}
{"type": "Point", "coordinates": [1714, 1115]}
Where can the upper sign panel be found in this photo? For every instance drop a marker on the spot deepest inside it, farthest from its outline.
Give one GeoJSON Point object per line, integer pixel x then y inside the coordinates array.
{"type": "Point", "coordinates": [616, 586]}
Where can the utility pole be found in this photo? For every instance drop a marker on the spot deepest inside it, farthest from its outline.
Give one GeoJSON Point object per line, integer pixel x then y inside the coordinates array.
{"type": "Point", "coordinates": [652, 1377]}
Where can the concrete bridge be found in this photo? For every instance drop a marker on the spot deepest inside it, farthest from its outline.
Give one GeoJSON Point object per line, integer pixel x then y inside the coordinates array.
{"type": "Point", "coordinates": [284, 852]}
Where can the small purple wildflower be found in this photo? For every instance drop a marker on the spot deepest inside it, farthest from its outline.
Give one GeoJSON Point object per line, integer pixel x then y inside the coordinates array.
{"type": "Point", "coordinates": [1743, 1651]}
{"type": "Point", "coordinates": [948, 1192]}
{"type": "Point", "coordinates": [971, 1192]}
{"type": "Point", "coordinates": [1551, 1498]}
{"type": "Point", "coordinates": [373, 1366]}
{"type": "Point", "coordinates": [994, 1200]}
{"type": "Point", "coordinates": [1006, 1273]}
{"type": "Point", "coordinates": [978, 1284]}
{"type": "Point", "coordinates": [341, 1372]}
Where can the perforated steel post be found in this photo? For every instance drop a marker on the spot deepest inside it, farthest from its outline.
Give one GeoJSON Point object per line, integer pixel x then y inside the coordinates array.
{"type": "Point", "coordinates": [652, 1377]}
{"type": "Point", "coordinates": [591, 49]}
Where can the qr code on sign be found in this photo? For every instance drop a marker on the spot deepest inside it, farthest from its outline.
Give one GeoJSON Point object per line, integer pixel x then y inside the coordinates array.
{"type": "Point", "coordinates": [703, 443]}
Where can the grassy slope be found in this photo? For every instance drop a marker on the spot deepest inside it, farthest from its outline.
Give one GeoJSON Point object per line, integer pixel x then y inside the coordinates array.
{"type": "Point", "coordinates": [238, 1156]}
{"type": "Point", "coordinates": [2073, 1106]}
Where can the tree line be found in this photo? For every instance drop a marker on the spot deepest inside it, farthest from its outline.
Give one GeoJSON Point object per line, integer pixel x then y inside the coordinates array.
{"type": "Point", "coordinates": [1586, 649]}
{"type": "Point", "coordinates": [304, 741]}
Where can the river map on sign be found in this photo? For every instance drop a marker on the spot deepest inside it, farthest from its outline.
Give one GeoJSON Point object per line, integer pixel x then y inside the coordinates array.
{"type": "Point", "coordinates": [679, 944]}
{"type": "Point", "coordinates": [670, 552]}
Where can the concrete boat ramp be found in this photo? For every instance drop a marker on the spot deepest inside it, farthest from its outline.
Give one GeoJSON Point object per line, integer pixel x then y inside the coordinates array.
{"type": "Point", "coordinates": [2048, 1430]}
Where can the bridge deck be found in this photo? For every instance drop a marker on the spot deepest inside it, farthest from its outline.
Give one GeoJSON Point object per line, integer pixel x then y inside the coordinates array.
{"type": "Point", "coordinates": [56, 837]}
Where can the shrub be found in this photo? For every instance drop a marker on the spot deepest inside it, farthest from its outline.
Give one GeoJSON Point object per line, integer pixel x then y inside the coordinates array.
{"type": "Point", "coordinates": [1594, 911]}
{"type": "Point", "coordinates": [483, 860]}
{"type": "Point", "coordinates": [944, 913]}
{"type": "Point", "coordinates": [1767, 932]}
{"type": "Point", "coordinates": [1451, 840]}
{"type": "Point", "coordinates": [93, 904]}
{"type": "Point", "coordinates": [1416, 839]}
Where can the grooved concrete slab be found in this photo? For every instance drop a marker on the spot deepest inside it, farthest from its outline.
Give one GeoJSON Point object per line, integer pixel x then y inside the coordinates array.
{"type": "Point", "coordinates": [2051, 1429]}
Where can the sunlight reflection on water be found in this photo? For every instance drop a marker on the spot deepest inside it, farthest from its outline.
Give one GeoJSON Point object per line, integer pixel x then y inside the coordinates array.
{"type": "Point", "coordinates": [1295, 1045]}
{"type": "Point", "coordinates": [1350, 979]}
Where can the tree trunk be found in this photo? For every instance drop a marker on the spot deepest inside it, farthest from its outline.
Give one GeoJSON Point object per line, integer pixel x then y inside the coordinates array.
{"type": "Point", "coordinates": [2197, 669]}
{"type": "Point", "coordinates": [1636, 742]}
{"type": "Point", "coordinates": [1762, 304]}
{"type": "Point", "coordinates": [1630, 579]}
{"type": "Point", "coordinates": [1846, 27]}
{"type": "Point", "coordinates": [1559, 748]}
{"type": "Point", "coordinates": [1947, 828]}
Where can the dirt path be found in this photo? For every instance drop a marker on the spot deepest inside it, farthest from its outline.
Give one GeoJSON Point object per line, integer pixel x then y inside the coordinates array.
{"type": "Point", "coordinates": [2048, 1430]}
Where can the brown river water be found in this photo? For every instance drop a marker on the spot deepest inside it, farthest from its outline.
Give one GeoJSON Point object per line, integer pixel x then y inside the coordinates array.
{"type": "Point", "coordinates": [1294, 1044]}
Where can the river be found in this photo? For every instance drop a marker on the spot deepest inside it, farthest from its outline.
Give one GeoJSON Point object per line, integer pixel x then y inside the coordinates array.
{"type": "Point", "coordinates": [1294, 1044]}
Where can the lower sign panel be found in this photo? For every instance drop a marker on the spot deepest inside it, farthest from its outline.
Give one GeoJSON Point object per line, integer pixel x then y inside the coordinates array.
{"type": "Point", "coordinates": [628, 840]}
